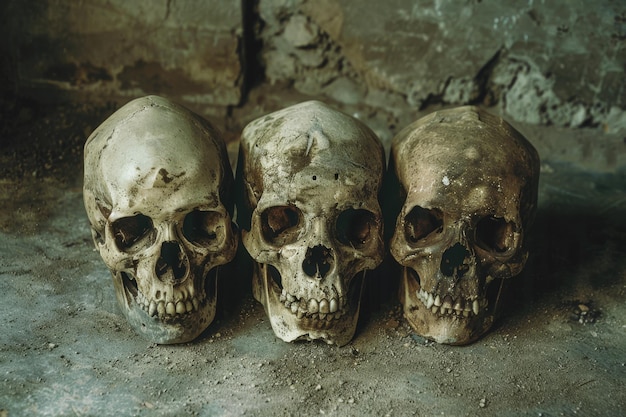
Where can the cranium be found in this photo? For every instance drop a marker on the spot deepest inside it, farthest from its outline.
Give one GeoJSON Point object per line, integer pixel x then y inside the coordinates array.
{"type": "Point", "coordinates": [156, 189]}
{"type": "Point", "coordinates": [311, 176]}
{"type": "Point", "coordinates": [469, 182]}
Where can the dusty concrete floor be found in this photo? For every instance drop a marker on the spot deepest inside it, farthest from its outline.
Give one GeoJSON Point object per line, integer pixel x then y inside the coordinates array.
{"type": "Point", "coordinates": [65, 348]}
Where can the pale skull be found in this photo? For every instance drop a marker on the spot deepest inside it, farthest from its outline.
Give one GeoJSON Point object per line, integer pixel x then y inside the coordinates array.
{"type": "Point", "coordinates": [156, 191]}
{"type": "Point", "coordinates": [311, 176]}
{"type": "Point", "coordinates": [468, 182]}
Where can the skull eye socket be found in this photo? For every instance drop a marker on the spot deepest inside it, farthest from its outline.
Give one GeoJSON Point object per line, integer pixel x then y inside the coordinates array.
{"type": "Point", "coordinates": [280, 224]}
{"type": "Point", "coordinates": [354, 227]}
{"type": "Point", "coordinates": [203, 228]}
{"type": "Point", "coordinates": [130, 231]}
{"type": "Point", "coordinates": [495, 234]}
{"type": "Point", "coordinates": [421, 223]}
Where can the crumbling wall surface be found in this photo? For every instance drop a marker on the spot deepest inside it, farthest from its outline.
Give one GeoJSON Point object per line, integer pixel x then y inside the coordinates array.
{"type": "Point", "coordinates": [557, 62]}
{"type": "Point", "coordinates": [179, 48]}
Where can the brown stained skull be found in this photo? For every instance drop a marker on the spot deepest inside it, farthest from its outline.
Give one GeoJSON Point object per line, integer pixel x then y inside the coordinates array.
{"type": "Point", "coordinates": [156, 188]}
{"type": "Point", "coordinates": [311, 177]}
{"type": "Point", "coordinates": [469, 182]}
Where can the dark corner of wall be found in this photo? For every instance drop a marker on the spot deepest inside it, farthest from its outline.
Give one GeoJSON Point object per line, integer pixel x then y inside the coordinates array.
{"type": "Point", "coordinates": [253, 70]}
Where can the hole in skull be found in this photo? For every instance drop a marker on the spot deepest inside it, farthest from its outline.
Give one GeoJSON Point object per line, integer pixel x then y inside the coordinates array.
{"type": "Point", "coordinates": [279, 224]}
{"type": "Point", "coordinates": [495, 234]}
{"type": "Point", "coordinates": [413, 274]}
{"type": "Point", "coordinates": [129, 283]}
{"type": "Point", "coordinates": [453, 261]}
{"type": "Point", "coordinates": [210, 282]}
{"type": "Point", "coordinates": [354, 227]}
{"type": "Point", "coordinates": [98, 238]}
{"type": "Point", "coordinates": [275, 275]}
{"type": "Point", "coordinates": [103, 209]}
{"type": "Point", "coordinates": [172, 264]}
{"type": "Point", "coordinates": [421, 222]}
{"type": "Point", "coordinates": [203, 228]}
{"type": "Point", "coordinates": [129, 231]}
{"type": "Point", "coordinates": [317, 261]}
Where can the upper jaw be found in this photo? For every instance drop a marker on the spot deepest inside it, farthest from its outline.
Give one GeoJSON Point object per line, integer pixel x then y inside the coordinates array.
{"type": "Point", "coordinates": [159, 325]}
{"type": "Point", "coordinates": [314, 309]}
{"type": "Point", "coordinates": [446, 303]}
{"type": "Point", "coordinates": [460, 306]}
{"type": "Point", "coordinates": [171, 302]}
{"type": "Point", "coordinates": [309, 318]}
{"type": "Point", "coordinates": [444, 318]}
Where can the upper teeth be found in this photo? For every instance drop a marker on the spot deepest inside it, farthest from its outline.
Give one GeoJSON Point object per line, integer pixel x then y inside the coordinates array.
{"type": "Point", "coordinates": [162, 308]}
{"type": "Point", "coordinates": [448, 306]}
{"type": "Point", "coordinates": [321, 309]}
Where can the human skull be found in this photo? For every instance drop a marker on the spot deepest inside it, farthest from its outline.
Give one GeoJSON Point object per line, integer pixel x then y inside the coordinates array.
{"type": "Point", "coordinates": [156, 191]}
{"type": "Point", "coordinates": [311, 176]}
{"type": "Point", "coordinates": [469, 183]}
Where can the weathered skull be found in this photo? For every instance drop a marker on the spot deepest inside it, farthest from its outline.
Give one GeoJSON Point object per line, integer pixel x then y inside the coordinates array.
{"type": "Point", "coordinates": [156, 189]}
{"type": "Point", "coordinates": [469, 181]}
{"type": "Point", "coordinates": [312, 177]}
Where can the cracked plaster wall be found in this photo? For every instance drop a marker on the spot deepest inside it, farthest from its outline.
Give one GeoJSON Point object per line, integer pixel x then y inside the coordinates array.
{"type": "Point", "coordinates": [541, 62]}
{"type": "Point", "coordinates": [555, 62]}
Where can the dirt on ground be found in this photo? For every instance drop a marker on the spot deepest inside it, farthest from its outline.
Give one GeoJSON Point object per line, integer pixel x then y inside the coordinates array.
{"type": "Point", "coordinates": [559, 347]}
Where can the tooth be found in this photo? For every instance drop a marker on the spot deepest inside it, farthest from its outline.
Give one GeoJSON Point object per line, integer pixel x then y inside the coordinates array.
{"type": "Point", "coordinates": [475, 307]}
{"type": "Point", "coordinates": [180, 308]}
{"type": "Point", "coordinates": [458, 306]}
{"type": "Point", "coordinates": [152, 309]}
{"type": "Point", "coordinates": [196, 303]}
{"type": "Point", "coordinates": [322, 316]}
{"type": "Point", "coordinates": [189, 306]}
{"type": "Point", "coordinates": [330, 317]}
{"type": "Point", "coordinates": [437, 301]}
{"type": "Point", "coordinates": [161, 308]}
{"type": "Point", "coordinates": [283, 293]}
{"type": "Point", "coordinates": [324, 307]}
{"type": "Point", "coordinates": [447, 304]}
{"type": "Point", "coordinates": [466, 313]}
{"type": "Point", "coordinates": [291, 298]}
{"type": "Point", "coordinates": [313, 306]}
{"type": "Point", "coordinates": [430, 301]}
{"type": "Point", "coordinates": [299, 312]}
{"type": "Point", "coordinates": [333, 305]}
{"type": "Point", "coordinates": [294, 308]}
{"type": "Point", "coordinates": [435, 309]}
{"type": "Point", "coordinates": [170, 308]}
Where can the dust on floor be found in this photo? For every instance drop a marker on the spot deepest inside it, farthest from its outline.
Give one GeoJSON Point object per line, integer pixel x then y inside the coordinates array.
{"type": "Point", "coordinates": [65, 348]}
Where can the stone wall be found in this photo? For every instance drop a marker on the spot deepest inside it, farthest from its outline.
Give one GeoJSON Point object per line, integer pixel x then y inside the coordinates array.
{"type": "Point", "coordinates": [558, 62]}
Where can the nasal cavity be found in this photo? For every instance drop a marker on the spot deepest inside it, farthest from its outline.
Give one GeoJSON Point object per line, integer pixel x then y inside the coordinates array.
{"type": "Point", "coordinates": [172, 263]}
{"type": "Point", "coordinates": [317, 262]}
{"type": "Point", "coordinates": [455, 261]}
